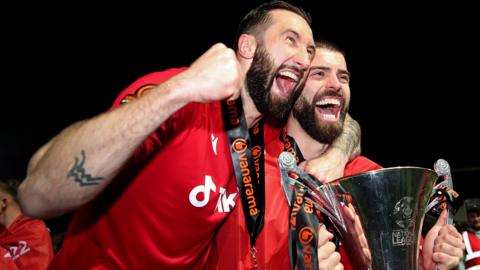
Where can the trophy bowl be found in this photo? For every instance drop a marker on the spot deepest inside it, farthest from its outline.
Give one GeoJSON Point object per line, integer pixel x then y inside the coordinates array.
{"type": "Point", "coordinates": [382, 214]}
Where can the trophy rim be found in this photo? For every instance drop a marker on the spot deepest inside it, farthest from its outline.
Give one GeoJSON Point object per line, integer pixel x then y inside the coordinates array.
{"type": "Point", "coordinates": [382, 170]}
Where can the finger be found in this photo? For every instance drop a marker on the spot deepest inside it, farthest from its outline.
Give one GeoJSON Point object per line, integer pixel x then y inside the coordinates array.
{"type": "Point", "coordinates": [450, 236]}
{"type": "Point", "coordinates": [234, 96]}
{"type": "Point", "coordinates": [442, 219]}
{"type": "Point", "coordinates": [349, 212]}
{"type": "Point", "coordinates": [448, 249]}
{"type": "Point", "coordinates": [352, 212]}
{"type": "Point", "coordinates": [448, 262]}
{"type": "Point", "coordinates": [305, 166]}
{"type": "Point", "coordinates": [451, 231]}
{"type": "Point", "coordinates": [323, 236]}
{"type": "Point", "coordinates": [308, 167]}
{"type": "Point", "coordinates": [326, 251]}
{"type": "Point", "coordinates": [329, 262]}
{"type": "Point", "coordinates": [367, 254]}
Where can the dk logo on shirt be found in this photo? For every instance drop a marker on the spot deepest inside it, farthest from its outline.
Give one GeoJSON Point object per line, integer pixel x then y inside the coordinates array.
{"type": "Point", "coordinates": [225, 201]}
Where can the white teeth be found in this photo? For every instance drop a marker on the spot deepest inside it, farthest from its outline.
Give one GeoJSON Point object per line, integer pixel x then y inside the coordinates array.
{"type": "Point", "coordinates": [289, 74]}
{"type": "Point", "coordinates": [328, 116]}
{"type": "Point", "coordinates": [329, 101]}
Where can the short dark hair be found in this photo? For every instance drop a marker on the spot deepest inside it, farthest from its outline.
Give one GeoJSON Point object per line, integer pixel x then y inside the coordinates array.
{"type": "Point", "coordinates": [259, 18]}
{"type": "Point", "coordinates": [329, 45]}
{"type": "Point", "coordinates": [472, 205]}
{"type": "Point", "coordinates": [10, 186]}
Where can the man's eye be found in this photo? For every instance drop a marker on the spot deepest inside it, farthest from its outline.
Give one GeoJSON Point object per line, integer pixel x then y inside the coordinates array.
{"type": "Point", "coordinates": [317, 74]}
{"type": "Point", "coordinates": [311, 53]}
{"type": "Point", "coordinates": [344, 78]}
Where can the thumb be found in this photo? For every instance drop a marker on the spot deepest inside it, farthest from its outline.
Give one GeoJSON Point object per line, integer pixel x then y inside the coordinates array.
{"type": "Point", "coordinates": [442, 219]}
{"type": "Point", "coordinates": [304, 166]}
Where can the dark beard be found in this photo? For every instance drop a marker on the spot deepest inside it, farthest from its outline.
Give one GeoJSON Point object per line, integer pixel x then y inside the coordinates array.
{"type": "Point", "coordinates": [259, 81]}
{"type": "Point", "coordinates": [322, 132]}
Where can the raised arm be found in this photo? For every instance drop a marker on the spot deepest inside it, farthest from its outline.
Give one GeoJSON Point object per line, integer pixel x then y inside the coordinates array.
{"type": "Point", "coordinates": [82, 160]}
{"type": "Point", "coordinates": [331, 165]}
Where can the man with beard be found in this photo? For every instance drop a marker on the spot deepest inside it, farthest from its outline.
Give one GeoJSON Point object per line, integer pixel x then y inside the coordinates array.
{"type": "Point", "coordinates": [471, 236]}
{"type": "Point", "coordinates": [168, 150]}
{"type": "Point", "coordinates": [317, 119]}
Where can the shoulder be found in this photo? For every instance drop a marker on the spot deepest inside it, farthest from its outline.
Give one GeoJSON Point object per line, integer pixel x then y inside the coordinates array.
{"type": "Point", "coordinates": [360, 164]}
{"type": "Point", "coordinates": [146, 83]}
{"type": "Point", "coordinates": [29, 228]}
{"type": "Point", "coordinates": [33, 224]}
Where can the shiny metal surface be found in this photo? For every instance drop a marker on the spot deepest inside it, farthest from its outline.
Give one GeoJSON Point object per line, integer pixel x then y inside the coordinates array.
{"type": "Point", "coordinates": [390, 206]}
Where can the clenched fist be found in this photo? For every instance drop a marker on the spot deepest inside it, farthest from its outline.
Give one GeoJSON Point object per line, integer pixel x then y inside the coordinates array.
{"type": "Point", "coordinates": [216, 75]}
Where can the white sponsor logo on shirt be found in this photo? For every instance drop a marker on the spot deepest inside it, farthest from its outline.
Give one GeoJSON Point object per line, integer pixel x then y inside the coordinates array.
{"type": "Point", "coordinates": [214, 144]}
{"type": "Point", "coordinates": [225, 201]}
{"type": "Point", "coordinates": [15, 252]}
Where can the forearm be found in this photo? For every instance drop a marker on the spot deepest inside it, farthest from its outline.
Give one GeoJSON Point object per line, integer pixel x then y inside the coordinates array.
{"type": "Point", "coordinates": [83, 159]}
{"type": "Point", "coordinates": [349, 141]}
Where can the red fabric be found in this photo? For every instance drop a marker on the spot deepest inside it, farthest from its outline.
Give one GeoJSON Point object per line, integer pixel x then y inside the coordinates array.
{"type": "Point", "coordinates": [145, 218]}
{"type": "Point", "coordinates": [474, 241]}
{"type": "Point", "coordinates": [232, 243]}
{"type": "Point", "coordinates": [472, 262]}
{"type": "Point", "coordinates": [25, 244]}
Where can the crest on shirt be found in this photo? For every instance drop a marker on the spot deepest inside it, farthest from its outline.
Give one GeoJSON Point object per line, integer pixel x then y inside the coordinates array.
{"type": "Point", "coordinates": [139, 92]}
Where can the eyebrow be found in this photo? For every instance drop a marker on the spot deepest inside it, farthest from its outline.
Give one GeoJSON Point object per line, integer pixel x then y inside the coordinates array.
{"type": "Point", "coordinates": [297, 35]}
{"type": "Point", "coordinates": [341, 71]}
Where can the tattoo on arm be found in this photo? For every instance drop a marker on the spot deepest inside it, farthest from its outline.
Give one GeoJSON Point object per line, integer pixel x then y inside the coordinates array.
{"type": "Point", "coordinates": [349, 140]}
{"type": "Point", "coordinates": [80, 175]}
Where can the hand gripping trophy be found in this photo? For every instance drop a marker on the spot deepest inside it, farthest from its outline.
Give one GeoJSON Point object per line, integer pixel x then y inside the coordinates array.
{"type": "Point", "coordinates": [378, 215]}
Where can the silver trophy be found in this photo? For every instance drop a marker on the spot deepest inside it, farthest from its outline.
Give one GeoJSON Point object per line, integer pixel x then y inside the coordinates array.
{"type": "Point", "coordinates": [378, 214]}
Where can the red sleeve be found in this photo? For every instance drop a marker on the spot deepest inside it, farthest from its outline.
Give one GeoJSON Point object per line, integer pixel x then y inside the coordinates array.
{"type": "Point", "coordinates": [137, 89]}
{"type": "Point", "coordinates": [360, 164]}
{"type": "Point", "coordinates": [144, 84]}
{"type": "Point", "coordinates": [28, 247]}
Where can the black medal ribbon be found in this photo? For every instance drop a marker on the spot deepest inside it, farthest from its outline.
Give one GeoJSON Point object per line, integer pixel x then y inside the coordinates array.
{"type": "Point", "coordinates": [247, 151]}
{"type": "Point", "coordinates": [303, 223]}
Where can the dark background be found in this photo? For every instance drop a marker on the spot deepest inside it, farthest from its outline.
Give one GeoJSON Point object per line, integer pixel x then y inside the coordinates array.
{"type": "Point", "coordinates": [414, 71]}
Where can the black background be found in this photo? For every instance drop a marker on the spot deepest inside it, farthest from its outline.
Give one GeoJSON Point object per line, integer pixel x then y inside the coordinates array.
{"type": "Point", "coordinates": [414, 71]}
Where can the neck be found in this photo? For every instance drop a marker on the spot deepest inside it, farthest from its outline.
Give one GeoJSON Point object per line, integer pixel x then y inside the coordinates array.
{"type": "Point", "coordinates": [9, 216]}
{"type": "Point", "coordinates": [310, 147]}
{"type": "Point", "coordinates": [252, 115]}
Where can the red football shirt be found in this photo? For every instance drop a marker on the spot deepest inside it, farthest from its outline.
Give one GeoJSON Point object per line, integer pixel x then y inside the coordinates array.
{"type": "Point", "coordinates": [232, 243]}
{"type": "Point", "coordinates": [25, 244]}
{"type": "Point", "coordinates": [163, 210]}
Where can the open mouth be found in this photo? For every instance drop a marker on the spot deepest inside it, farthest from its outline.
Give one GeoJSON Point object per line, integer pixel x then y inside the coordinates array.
{"type": "Point", "coordinates": [329, 108]}
{"type": "Point", "coordinates": [286, 81]}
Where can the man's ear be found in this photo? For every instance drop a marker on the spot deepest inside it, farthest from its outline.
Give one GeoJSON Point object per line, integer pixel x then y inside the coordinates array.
{"type": "Point", "coordinates": [247, 44]}
{"type": "Point", "coordinates": [4, 202]}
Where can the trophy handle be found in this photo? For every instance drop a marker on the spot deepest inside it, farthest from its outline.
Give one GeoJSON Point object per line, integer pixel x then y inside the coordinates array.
{"type": "Point", "coordinates": [322, 196]}
{"type": "Point", "coordinates": [443, 194]}
{"type": "Point", "coordinates": [443, 190]}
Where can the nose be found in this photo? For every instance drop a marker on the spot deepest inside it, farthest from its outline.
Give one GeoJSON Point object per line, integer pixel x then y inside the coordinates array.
{"type": "Point", "coordinates": [303, 59]}
{"type": "Point", "coordinates": [332, 82]}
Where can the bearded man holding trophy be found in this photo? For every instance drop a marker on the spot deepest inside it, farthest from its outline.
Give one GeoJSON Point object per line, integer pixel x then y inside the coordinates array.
{"type": "Point", "coordinates": [370, 220]}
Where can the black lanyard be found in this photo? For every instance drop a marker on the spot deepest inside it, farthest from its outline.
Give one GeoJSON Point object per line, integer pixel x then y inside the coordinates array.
{"type": "Point", "coordinates": [303, 223]}
{"type": "Point", "coordinates": [291, 146]}
{"type": "Point", "coordinates": [246, 149]}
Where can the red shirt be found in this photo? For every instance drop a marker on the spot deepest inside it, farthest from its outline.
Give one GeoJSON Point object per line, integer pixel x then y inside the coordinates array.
{"type": "Point", "coordinates": [232, 243]}
{"type": "Point", "coordinates": [25, 244]}
{"type": "Point", "coordinates": [162, 212]}
{"type": "Point", "coordinates": [472, 246]}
